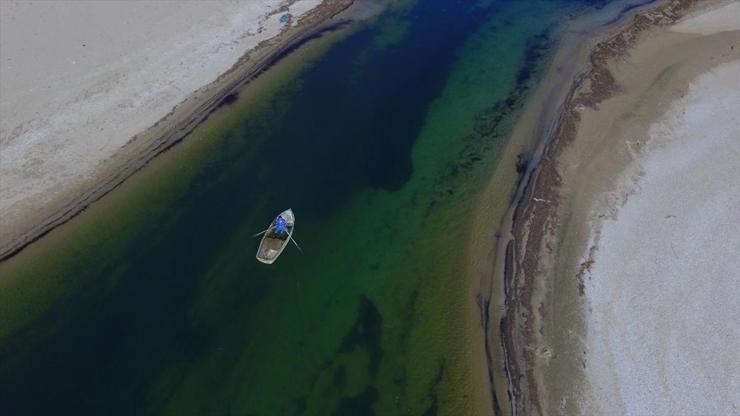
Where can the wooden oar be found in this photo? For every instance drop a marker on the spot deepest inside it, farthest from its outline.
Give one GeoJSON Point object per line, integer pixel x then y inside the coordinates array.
{"type": "Point", "coordinates": [296, 244]}
{"type": "Point", "coordinates": [260, 233]}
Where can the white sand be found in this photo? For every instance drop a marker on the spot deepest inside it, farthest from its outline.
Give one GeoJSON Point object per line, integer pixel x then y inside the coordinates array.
{"type": "Point", "coordinates": [300, 8]}
{"type": "Point", "coordinates": [78, 79]}
{"type": "Point", "coordinates": [707, 22]}
{"type": "Point", "coordinates": [664, 293]}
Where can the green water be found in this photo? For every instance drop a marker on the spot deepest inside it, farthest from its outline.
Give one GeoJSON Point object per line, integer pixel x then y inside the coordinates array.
{"type": "Point", "coordinates": [379, 139]}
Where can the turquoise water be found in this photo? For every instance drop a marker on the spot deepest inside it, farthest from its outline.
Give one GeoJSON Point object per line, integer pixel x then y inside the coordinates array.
{"type": "Point", "coordinates": [379, 140]}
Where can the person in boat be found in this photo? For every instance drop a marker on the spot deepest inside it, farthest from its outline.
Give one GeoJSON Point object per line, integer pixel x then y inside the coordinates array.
{"type": "Point", "coordinates": [281, 227]}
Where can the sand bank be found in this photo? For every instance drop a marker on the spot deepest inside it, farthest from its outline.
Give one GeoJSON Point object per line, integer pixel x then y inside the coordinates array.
{"type": "Point", "coordinates": [524, 148]}
{"type": "Point", "coordinates": [87, 90]}
{"type": "Point", "coordinates": [725, 17]}
{"type": "Point", "coordinates": [663, 282]}
{"type": "Point", "coordinates": [588, 170]}
{"type": "Point", "coordinates": [664, 288]}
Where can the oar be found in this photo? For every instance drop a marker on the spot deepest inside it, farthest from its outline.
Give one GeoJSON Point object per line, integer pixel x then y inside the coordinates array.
{"type": "Point", "coordinates": [296, 244]}
{"type": "Point", "coordinates": [260, 233]}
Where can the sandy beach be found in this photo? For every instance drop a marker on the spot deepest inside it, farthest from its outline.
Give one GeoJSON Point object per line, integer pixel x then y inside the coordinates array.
{"type": "Point", "coordinates": [622, 273]}
{"type": "Point", "coordinates": [652, 317]}
{"type": "Point", "coordinates": [90, 91]}
{"type": "Point", "coordinates": [663, 286]}
{"type": "Point", "coordinates": [525, 144]}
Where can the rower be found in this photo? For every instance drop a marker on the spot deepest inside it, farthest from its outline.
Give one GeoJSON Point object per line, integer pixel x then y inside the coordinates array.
{"type": "Point", "coordinates": [281, 226]}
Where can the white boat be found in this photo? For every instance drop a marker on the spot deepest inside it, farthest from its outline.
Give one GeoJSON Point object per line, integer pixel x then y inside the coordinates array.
{"type": "Point", "coordinates": [276, 237]}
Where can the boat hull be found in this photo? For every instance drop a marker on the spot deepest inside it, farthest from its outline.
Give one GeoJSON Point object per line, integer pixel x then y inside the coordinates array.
{"type": "Point", "coordinates": [273, 244]}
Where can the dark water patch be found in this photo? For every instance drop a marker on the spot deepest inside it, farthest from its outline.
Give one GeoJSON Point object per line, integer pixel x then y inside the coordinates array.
{"type": "Point", "coordinates": [227, 100]}
{"type": "Point", "coordinates": [366, 333]}
{"type": "Point", "coordinates": [367, 122]}
{"type": "Point", "coordinates": [433, 407]}
{"type": "Point", "coordinates": [625, 10]}
{"type": "Point", "coordinates": [339, 378]}
{"type": "Point", "coordinates": [300, 405]}
{"type": "Point", "coordinates": [359, 405]}
{"type": "Point", "coordinates": [147, 335]}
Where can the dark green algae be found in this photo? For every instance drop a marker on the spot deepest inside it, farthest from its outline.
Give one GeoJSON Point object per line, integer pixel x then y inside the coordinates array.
{"type": "Point", "coordinates": [379, 139]}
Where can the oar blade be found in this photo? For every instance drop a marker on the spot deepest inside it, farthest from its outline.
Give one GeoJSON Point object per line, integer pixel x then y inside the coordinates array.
{"type": "Point", "coordinates": [296, 244]}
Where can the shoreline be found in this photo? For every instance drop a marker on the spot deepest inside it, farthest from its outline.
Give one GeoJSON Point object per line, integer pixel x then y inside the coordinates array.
{"type": "Point", "coordinates": [144, 147]}
{"type": "Point", "coordinates": [543, 320]}
{"type": "Point", "coordinates": [496, 205]}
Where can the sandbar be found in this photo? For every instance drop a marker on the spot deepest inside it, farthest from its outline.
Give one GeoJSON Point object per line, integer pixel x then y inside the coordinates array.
{"type": "Point", "coordinates": [664, 289]}
{"type": "Point", "coordinates": [622, 272]}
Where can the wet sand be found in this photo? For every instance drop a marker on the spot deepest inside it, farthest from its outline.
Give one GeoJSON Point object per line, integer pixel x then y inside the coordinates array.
{"type": "Point", "coordinates": [80, 118]}
{"type": "Point", "coordinates": [587, 172]}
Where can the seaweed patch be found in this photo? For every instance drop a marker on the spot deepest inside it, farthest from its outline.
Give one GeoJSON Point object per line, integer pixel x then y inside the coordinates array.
{"type": "Point", "coordinates": [359, 405]}
{"type": "Point", "coordinates": [366, 333]}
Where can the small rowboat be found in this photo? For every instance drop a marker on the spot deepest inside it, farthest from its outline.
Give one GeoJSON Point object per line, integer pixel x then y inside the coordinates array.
{"type": "Point", "coordinates": [276, 237]}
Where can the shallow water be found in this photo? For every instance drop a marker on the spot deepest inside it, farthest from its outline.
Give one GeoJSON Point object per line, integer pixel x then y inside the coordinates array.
{"type": "Point", "coordinates": [378, 140]}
